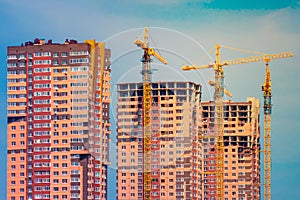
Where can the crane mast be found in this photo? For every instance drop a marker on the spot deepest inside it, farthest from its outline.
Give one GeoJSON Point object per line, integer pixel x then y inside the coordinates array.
{"type": "Point", "coordinates": [219, 93]}
{"type": "Point", "coordinates": [266, 88]}
{"type": "Point", "coordinates": [219, 119]}
{"type": "Point", "coordinates": [146, 72]}
{"type": "Point", "coordinates": [147, 106]}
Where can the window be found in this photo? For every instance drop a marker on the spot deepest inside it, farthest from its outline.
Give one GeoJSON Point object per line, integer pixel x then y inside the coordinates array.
{"type": "Point", "coordinates": [42, 62]}
{"type": "Point", "coordinates": [79, 60]}
{"type": "Point", "coordinates": [78, 53]}
{"type": "Point", "coordinates": [11, 57]}
{"type": "Point", "coordinates": [12, 64]}
{"type": "Point", "coordinates": [82, 68]}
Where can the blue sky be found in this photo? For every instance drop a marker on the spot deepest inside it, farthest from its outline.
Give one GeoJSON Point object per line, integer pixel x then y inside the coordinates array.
{"type": "Point", "coordinates": [183, 31]}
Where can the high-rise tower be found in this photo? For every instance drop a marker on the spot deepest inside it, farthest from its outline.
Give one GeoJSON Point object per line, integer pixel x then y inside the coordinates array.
{"type": "Point", "coordinates": [241, 150]}
{"type": "Point", "coordinates": [175, 147]}
{"type": "Point", "coordinates": [58, 120]}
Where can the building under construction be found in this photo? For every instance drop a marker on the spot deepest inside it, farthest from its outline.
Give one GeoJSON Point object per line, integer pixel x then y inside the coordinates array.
{"type": "Point", "coordinates": [183, 145]}
{"type": "Point", "coordinates": [175, 149]}
{"type": "Point", "coordinates": [241, 150]}
{"type": "Point", "coordinates": [220, 123]}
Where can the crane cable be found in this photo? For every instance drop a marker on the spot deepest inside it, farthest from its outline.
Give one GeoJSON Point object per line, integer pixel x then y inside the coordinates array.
{"type": "Point", "coordinates": [156, 48]}
{"type": "Point", "coordinates": [243, 50]}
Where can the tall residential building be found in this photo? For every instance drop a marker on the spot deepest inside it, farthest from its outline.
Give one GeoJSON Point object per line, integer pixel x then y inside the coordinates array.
{"type": "Point", "coordinates": [58, 125]}
{"type": "Point", "coordinates": [241, 150]}
{"type": "Point", "coordinates": [175, 157]}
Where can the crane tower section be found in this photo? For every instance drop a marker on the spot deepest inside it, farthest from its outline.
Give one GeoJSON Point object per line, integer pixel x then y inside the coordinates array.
{"type": "Point", "coordinates": [266, 88]}
{"type": "Point", "coordinates": [146, 72]}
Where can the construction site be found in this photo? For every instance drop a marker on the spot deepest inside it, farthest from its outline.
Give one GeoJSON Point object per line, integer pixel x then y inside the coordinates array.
{"type": "Point", "coordinates": [173, 145]}
{"type": "Point", "coordinates": [150, 100]}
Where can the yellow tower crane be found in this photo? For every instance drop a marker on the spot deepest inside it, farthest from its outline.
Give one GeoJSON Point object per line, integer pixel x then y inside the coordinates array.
{"type": "Point", "coordinates": [218, 97]}
{"type": "Point", "coordinates": [146, 72]}
{"type": "Point", "coordinates": [266, 88]}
